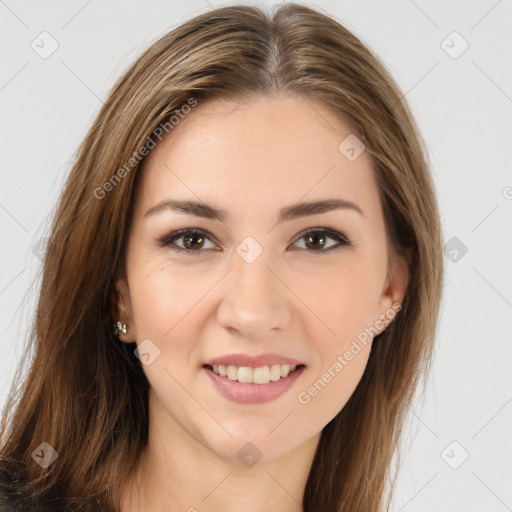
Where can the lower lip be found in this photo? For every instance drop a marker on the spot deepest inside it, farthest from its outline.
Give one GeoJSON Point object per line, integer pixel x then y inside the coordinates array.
{"type": "Point", "coordinates": [250, 393]}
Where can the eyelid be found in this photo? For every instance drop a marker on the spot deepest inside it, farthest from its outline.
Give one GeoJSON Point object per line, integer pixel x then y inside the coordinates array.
{"type": "Point", "coordinates": [172, 235]}
{"type": "Point", "coordinates": [341, 239]}
{"type": "Point", "coordinates": [330, 232]}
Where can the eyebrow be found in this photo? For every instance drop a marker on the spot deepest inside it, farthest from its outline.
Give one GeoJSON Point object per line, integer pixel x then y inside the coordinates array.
{"type": "Point", "coordinates": [200, 209]}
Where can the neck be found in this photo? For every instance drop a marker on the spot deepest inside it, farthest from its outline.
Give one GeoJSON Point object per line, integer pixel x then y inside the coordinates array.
{"type": "Point", "coordinates": [178, 472]}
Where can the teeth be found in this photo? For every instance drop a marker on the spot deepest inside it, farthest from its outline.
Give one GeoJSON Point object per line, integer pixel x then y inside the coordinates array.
{"type": "Point", "coordinates": [275, 372]}
{"type": "Point", "coordinates": [260, 375]}
{"type": "Point", "coordinates": [247, 374]}
{"type": "Point", "coordinates": [232, 372]}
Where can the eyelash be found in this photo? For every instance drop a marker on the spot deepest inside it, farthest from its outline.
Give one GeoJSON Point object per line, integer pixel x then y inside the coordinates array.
{"type": "Point", "coordinates": [167, 240]}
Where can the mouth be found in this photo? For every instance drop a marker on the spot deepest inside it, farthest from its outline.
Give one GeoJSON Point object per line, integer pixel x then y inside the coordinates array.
{"type": "Point", "coordinates": [250, 375]}
{"type": "Point", "coordinates": [248, 385]}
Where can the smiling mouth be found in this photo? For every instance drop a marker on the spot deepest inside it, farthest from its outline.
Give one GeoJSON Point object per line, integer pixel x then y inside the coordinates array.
{"type": "Point", "coordinates": [249, 375]}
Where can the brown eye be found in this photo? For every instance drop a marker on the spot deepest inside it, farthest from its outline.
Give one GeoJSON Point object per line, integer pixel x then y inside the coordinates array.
{"type": "Point", "coordinates": [316, 240]}
{"type": "Point", "coordinates": [193, 241]}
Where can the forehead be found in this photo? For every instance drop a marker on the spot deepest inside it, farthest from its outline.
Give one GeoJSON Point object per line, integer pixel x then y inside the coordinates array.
{"type": "Point", "coordinates": [261, 153]}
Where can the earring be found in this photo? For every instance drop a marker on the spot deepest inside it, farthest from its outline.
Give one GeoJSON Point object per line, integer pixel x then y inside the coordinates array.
{"type": "Point", "coordinates": [119, 328]}
{"type": "Point", "coordinates": [386, 320]}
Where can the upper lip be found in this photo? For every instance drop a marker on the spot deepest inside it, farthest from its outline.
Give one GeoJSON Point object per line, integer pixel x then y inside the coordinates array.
{"type": "Point", "coordinates": [252, 361]}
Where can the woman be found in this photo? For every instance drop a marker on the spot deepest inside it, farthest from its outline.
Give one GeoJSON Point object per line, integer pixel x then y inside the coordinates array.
{"type": "Point", "coordinates": [241, 286]}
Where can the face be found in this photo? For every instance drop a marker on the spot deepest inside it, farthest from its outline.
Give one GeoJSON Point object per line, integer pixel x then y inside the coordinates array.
{"type": "Point", "coordinates": [255, 275]}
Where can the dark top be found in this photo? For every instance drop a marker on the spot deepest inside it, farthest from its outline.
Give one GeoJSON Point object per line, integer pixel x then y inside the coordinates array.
{"type": "Point", "coordinates": [16, 495]}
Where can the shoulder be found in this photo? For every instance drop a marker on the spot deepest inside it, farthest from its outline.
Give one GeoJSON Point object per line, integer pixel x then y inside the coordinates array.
{"type": "Point", "coordinates": [12, 497]}
{"type": "Point", "coordinates": [13, 492]}
{"type": "Point", "coordinates": [17, 494]}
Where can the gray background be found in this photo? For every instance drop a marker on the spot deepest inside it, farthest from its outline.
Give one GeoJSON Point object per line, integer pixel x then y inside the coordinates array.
{"type": "Point", "coordinates": [463, 103]}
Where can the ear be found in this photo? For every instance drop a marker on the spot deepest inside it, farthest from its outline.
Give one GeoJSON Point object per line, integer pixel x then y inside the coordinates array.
{"type": "Point", "coordinates": [121, 309]}
{"type": "Point", "coordinates": [394, 289]}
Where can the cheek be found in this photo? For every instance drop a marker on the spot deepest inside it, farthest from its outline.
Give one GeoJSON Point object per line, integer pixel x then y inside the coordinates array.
{"type": "Point", "coordinates": [328, 390]}
{"type": "Point", "coordinates": [155, 301]}
{"type": "Point", "coordinates": [162, 296]}
{"type": "Point", "coordinates": [342, 339]}
{"type": "Point", "coordinates": [343, 299]}
{"type": "Point", "coordinates": [169, 309]}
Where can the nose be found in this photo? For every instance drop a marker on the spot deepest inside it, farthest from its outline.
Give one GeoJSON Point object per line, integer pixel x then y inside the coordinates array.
{"type": "Point", "coordinates": [255, 299]}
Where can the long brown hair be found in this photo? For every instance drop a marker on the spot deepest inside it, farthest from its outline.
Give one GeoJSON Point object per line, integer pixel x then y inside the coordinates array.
{"type": "Point", "coordinates": [85, 393]}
